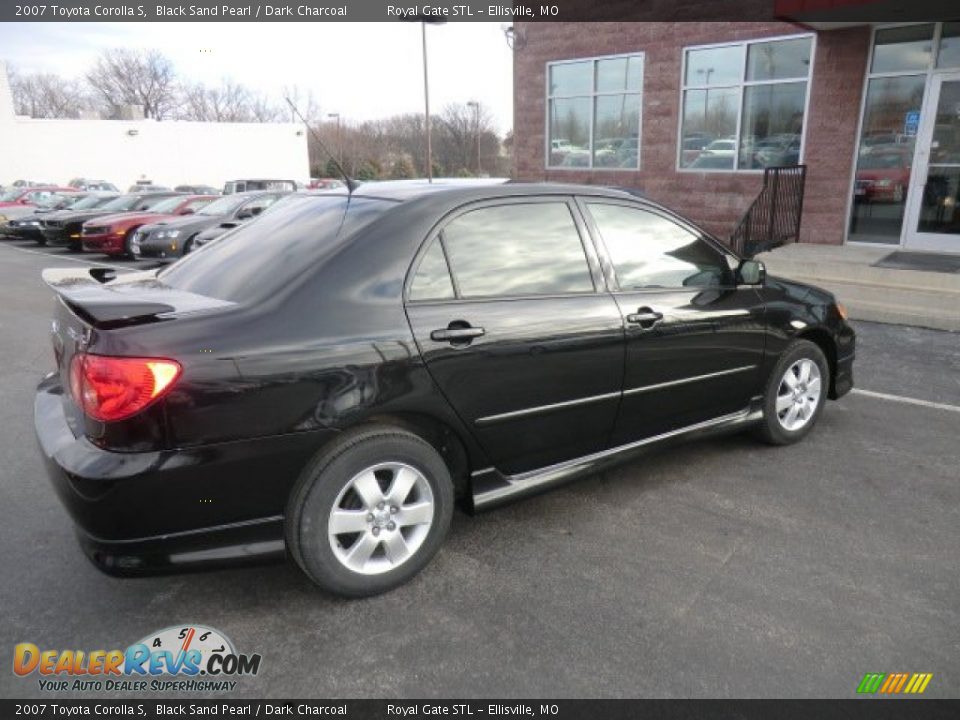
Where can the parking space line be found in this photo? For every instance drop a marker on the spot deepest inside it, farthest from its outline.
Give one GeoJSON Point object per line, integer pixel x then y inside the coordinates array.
{"type": "Point", "coordinates": [907, 400]}
{"type": "Point", "coordinates": [70, 259]}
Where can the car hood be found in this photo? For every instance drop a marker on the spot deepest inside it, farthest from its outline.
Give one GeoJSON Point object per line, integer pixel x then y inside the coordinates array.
{"type": "Point", "coordinates": [802, 292]}
{"type": "Point", "coordinates": [16, 212]}
{"type": "Point", "coordinates": [131, 217]}
{"type": "Point", "coordinates": [68, 216]}
{"type": "Point", "coordinates": [187, 222]}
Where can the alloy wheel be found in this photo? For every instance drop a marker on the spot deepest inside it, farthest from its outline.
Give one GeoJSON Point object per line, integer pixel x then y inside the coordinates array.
{"type": "Point", "coordinates": [798, 395]}
{"type": "Point", "coordinates": [381, 518]}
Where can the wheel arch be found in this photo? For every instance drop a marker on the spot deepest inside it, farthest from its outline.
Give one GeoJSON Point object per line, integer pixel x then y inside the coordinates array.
{"type": "Point", "coordinates": [440, 435]}
{"type": "Point", "coordinates": [824, 340]}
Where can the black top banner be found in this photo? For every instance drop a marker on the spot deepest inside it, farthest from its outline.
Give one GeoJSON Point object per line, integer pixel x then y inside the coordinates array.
{"type": "Point", "coordinates": [505, 709]}
{"type": "Point", "coordinates": [800, 11]}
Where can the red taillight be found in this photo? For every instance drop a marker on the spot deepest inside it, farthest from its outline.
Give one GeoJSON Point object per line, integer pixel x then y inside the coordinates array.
{"type": "Point", "coordinates": [114, 388]}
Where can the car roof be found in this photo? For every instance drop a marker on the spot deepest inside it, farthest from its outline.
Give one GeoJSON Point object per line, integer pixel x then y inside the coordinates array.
{"type": "Point", "coordinates": [472, 189]}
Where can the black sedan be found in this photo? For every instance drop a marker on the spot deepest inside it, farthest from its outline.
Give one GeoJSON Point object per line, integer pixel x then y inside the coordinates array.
{"type": "Point", "coordinates": [30, 227]}
{"type": "Point", "coordinates": [172, 239]}
{"type": "Point", "coordinates": [411, 345]}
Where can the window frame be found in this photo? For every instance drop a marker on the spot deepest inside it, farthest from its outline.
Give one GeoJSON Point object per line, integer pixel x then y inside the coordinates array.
{"type": "Point", "coordinates": [591, 256]}
{"type": "Point", "coordinates": [740, 86]}
{"type": "Point", "coordinates": [610, 271]}
{"type": "Point", "coordinates": [592, 96]}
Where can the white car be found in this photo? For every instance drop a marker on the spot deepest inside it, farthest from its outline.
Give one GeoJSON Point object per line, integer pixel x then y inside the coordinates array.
{"type": "Point", "coordinates": [722, 148]}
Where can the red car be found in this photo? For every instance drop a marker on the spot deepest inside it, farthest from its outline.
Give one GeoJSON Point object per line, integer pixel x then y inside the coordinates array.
{"type": "Point", "coordinates": [110, 234]}
{"type": "Point", "coordinates": [30, 196]}
{"type": "Point", "coordinates": [883, 175]}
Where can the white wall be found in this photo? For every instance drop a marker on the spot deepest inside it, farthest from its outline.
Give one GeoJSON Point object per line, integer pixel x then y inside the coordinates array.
{"type": "Point", "coordinates": [167, 152]}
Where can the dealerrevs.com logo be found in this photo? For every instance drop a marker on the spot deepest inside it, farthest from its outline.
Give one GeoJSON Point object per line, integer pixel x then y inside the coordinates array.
{"type": "Point", "coordinates": [182, 658]}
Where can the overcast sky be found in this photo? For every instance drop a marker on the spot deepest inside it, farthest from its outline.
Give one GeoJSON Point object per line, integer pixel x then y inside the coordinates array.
{"type": "Point", "coordinates": [361, 70]}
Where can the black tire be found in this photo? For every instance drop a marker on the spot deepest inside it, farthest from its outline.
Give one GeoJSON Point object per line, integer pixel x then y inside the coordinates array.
{"type": "Point", "coordinates": [771, 429]}
{"type": "Point", "coordinates": [188, 246]}
{"type": "Point", "coordinates": [127, 250]}
{"type": "Point", "coordinates": [321, 484]}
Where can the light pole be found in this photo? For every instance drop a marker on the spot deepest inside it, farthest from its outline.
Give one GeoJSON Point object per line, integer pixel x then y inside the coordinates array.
{"type": "Point", "coordinates": [476, 110]}
{"type": "Point", "coordinates": [706, 93]}
{"type": "Point", "coordinates": [426, 102]}
{"type": "Point", "coordinates": [339, 144]}
{"type": "Point", "coordinates": [424, 21]}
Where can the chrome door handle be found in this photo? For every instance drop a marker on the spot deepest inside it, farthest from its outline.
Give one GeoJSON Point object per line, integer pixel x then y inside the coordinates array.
{"type": "Point", "coordinates": [645, 317]}
{"type": "Point", "coordinates": [457, 334]}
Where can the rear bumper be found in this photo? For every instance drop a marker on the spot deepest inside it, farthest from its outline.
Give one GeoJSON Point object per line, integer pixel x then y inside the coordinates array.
{"type": "Point", "coordinates": [252, 543]}
{"type": "Point", "coordinates": [172, 510]}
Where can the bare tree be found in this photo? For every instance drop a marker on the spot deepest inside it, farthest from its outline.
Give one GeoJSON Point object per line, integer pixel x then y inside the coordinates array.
{"type": "Point", "coordinates": [44, 95]}
{"type": "Point", "coordinates": [304, 101]}
{"type": "Point", "coordinates": [262, 109]}
{"type": "Point", "coordinates": [230, 102]}
{"type": "Point", "coordinates": [458, 127]}
{"type": "Point", "coordinates": [135, 77]}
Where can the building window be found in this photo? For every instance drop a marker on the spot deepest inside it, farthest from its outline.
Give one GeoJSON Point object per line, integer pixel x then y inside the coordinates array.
{"type": "Point", "coordinates": [593, 113]}
{"type": "Point", "coordinates": [743, 104]}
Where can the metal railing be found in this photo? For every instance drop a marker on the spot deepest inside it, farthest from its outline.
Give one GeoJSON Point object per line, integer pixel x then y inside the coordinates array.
{"type": "Point", "coordinates": [773, 219]}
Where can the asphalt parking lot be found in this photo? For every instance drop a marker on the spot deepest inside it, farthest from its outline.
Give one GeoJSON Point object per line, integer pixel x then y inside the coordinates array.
{"type": "Point", "coordinates": [723, 568]}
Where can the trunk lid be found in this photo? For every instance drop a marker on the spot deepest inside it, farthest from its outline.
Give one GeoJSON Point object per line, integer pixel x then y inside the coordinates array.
{"type": "Point", "coordinates": [92, 302]}
{"type": "Point", "coordinates": [104, 300]}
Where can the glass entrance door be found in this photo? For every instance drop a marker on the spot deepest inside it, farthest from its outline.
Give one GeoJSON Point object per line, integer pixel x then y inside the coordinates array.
{"type": "Point", "coordinates": [933, 219]}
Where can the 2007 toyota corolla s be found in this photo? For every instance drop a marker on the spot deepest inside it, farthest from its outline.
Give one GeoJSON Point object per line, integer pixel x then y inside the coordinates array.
{"type": "Point", "coordinates": [327, 380]}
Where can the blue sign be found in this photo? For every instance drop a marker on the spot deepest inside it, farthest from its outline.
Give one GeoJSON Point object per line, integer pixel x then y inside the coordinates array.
{"type": "Point", "coordinates": [911, 123]}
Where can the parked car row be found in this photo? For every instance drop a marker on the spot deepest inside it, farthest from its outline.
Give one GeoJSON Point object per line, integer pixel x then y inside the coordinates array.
{"type": "Point", "coordinates": [703, 151]}
{"type": "Point", "coordinates": [164, 225]}
{"type": "Point", "coordinates": [169, 238]}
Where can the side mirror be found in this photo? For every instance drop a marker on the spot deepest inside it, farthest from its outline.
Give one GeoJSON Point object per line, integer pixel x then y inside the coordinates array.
{"type": "Point", "coordinates": [244, 215]}
{"type": "Point", "coordinates": [751, 272]}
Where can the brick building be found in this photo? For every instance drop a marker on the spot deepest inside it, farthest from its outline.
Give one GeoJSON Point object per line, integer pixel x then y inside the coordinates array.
{"type": "Point", "coordinates": [691, 113]}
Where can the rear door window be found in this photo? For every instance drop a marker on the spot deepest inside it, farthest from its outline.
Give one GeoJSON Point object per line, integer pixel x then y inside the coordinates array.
{"type": "Point", "coordinates": [517, 249]}
{"type": "Point", "coordinates": [432, 280]}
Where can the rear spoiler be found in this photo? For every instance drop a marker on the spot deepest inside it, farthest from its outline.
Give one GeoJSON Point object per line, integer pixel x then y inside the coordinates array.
{"type": "Point", "coordinates": [107, 299]}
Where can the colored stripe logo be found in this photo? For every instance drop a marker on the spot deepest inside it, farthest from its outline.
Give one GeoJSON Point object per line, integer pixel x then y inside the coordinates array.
{"type": "Point", "coordinates": [894, 683]}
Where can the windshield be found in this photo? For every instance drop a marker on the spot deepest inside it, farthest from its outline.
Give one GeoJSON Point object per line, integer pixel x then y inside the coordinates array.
{"type": "Point", "coordinates": [10, 195]}
{"type": "Point", "coordinates": [258, 259]}
{"type": "Point", "coordinates": [124, 202]}
{"type": "Point", "coordinates": [167, 206]}
{"type": "Point", "coordinates": [54, 200]}
{"type": "Point", "coordinates": [224, 206]}
{"type": "Point", "coordinates": [91, 201]}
